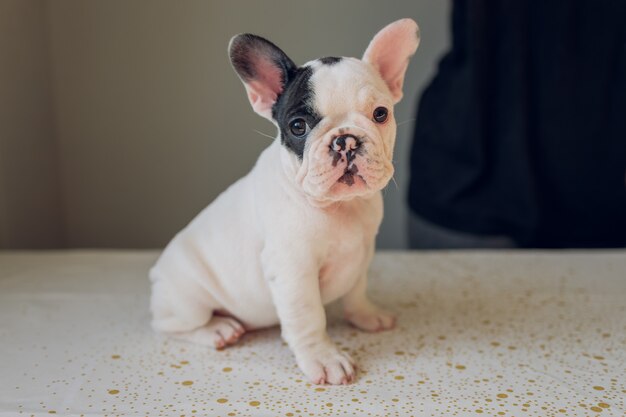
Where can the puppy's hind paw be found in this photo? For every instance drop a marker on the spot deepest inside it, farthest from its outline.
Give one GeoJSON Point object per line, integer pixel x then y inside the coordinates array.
{"type": "Point", "coordinates": [219, 333]}
{"type": "Point", "coordinates": [372, 319]}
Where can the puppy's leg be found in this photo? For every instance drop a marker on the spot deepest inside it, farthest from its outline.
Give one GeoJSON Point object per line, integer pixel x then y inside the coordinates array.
{"type": "Point", "coordinates": [189, 316]}
{"type": "Point", "coordinates": [361, 312]}
{"type": "Point", "coordinates": [218, 332]}
{"type": "Point", "coordinates": [296, 295]}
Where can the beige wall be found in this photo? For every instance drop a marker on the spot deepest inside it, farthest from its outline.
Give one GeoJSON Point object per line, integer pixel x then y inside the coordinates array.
{"type": "Point", "coordinates": [30, 192]}
{"type": "Point", "coordinates": [152, 123]}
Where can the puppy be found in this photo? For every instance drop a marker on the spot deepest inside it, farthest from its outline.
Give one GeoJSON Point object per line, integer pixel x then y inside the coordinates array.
{"type": "Point", "coordinates": [298, 231]}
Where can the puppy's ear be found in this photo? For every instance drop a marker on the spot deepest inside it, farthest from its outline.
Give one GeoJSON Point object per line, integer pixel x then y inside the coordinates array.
{"type": "Point", "coordinates": [263, 68]}
{"type": "Point", "coordinates": [390, 50]}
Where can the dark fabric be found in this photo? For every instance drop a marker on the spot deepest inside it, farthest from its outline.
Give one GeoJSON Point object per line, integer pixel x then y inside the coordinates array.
{"type": "Point", "coordinates": [522, 132]}
{"type": "Point", "coordinates": [425, 235]}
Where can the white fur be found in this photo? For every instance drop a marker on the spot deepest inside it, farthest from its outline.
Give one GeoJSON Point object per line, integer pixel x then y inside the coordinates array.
{"type": "Point", "coordinates": [287, 238]}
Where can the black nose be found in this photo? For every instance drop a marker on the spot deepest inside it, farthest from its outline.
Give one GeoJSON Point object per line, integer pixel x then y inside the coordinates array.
{"type": "Point", "coordinates": [346, 142]}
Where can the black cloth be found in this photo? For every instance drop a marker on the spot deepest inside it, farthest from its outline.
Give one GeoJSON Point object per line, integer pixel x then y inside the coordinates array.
{"type": "Point", "coordinates": [522, 132]}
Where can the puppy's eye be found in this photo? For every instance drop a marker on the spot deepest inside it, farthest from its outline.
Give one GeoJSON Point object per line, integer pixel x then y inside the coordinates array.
{"type": "Point", "coordinates": [298, 127]}
{"type": "Point", "coordinates": [380, 114]}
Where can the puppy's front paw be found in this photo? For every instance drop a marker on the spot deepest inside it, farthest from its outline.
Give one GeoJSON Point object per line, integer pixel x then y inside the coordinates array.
{"type": "Point", "coordinates": [325, 364]}
{"type": "Point", "coordinates": [372, 319]}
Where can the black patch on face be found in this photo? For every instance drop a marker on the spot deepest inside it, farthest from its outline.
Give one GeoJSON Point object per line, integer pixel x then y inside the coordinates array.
{"type": "Point", "coordinates": [296, 101]}
{"type": "Point", "coordinates": [330, 60]}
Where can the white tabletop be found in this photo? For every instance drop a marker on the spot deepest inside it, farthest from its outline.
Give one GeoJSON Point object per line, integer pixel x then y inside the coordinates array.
{"type": "Point", "coordinates": [491, 333]}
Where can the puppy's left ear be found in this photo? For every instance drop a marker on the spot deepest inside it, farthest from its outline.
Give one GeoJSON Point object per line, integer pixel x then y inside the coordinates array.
{"type": "Point", "coordinates": [390, 50]}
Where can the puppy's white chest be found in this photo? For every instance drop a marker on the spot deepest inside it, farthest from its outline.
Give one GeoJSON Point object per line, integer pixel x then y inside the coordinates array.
{"type": "Point", "coordinates": [347, 256]}
{"type": "Point", "coordinates": [337, 278]}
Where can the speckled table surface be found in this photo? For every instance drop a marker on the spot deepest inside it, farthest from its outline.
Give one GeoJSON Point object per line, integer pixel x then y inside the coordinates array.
{"type": "Point", "coordinates": [491, 333]}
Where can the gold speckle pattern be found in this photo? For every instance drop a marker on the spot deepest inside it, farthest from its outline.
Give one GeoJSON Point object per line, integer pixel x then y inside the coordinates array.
{"type": "Point", "coordinates": [538, 334]}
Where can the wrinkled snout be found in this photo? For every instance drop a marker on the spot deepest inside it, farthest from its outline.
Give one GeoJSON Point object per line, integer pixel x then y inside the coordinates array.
{"type": "Point", "coordinates": [349, 161]}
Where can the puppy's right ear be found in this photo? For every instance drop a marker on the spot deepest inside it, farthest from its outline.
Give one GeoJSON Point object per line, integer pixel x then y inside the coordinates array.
{"type": "Point", "coordinates": [263, 68]}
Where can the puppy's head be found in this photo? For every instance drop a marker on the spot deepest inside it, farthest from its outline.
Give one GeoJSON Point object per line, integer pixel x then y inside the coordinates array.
{"type": "Point", "coordinates": [335, 115]}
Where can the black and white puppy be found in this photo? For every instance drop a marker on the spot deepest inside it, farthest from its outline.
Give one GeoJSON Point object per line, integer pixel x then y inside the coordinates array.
{"type": "Point", "coordinates": [298, 231]}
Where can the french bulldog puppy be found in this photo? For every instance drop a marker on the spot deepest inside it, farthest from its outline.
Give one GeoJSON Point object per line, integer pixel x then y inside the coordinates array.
{"type": "Point", "coordinates": [298, 231]}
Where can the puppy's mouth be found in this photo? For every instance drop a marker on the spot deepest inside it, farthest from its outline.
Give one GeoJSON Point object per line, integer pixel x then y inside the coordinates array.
{"type": "Point", "coordinates": [349, 174]}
